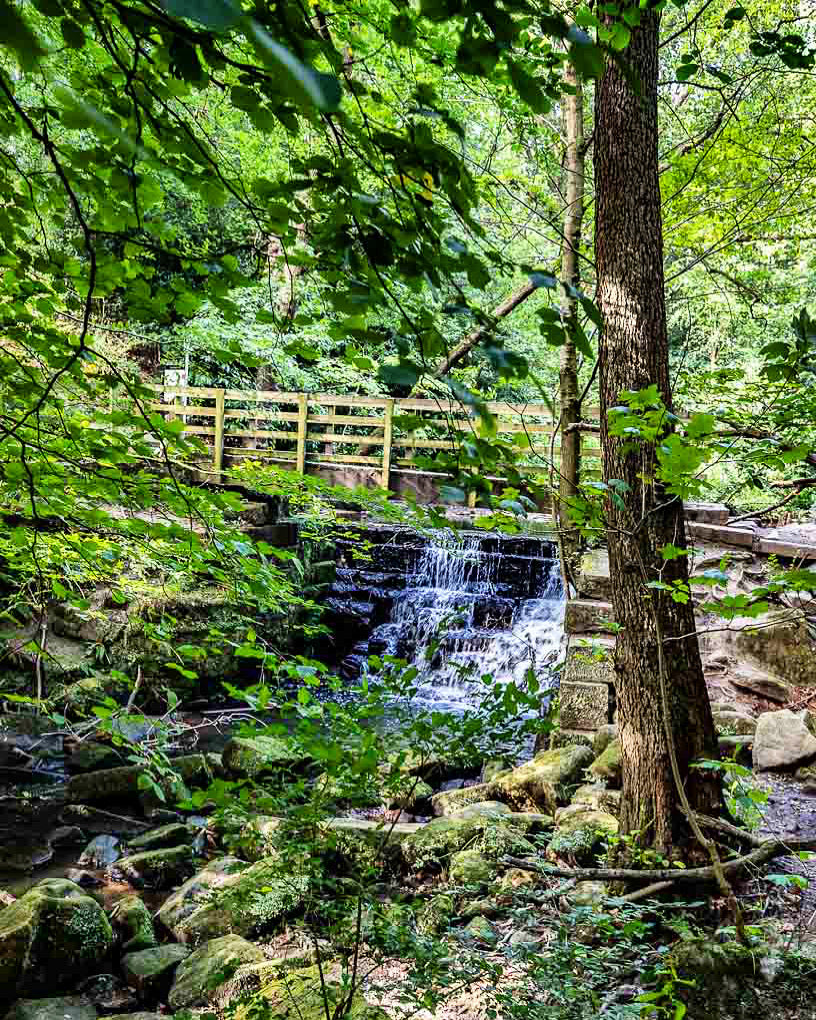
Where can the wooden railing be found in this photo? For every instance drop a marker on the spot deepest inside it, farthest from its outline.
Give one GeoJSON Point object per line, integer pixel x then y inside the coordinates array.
{"type": "Point", "coordinates": [333, 432]}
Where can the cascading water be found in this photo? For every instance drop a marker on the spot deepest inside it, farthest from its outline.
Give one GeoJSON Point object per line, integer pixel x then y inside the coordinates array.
{"type": "Point", "coordinates": [456, 608]}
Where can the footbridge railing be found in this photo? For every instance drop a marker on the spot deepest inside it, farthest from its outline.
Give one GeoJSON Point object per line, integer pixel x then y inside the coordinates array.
{"type": "Point", "coordinates": [353, 440]}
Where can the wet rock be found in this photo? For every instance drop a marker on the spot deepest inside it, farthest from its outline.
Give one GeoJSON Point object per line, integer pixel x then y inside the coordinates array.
{"type": "Point", "coordinates": [608, 765]}
{"type": "Point", "coordinates": [132, 920]}
{"type": "Point", "coordinates": [174, 834]}
{"type": "Point", "coordinates": [23, 856]}
{"type": "Point", "coordinates": [113, 784]}
{"type": "Point", "coordinates": [26, 734]}
{"type": "Point", "coordinates": [108, 993]}
{"type": "Point", "coordinates": [469, 867]}
{"type": "Point", "coordinates": [313, 992]}
{"type": "Point", "coordinates": [252, 756]}
{"type": "Point", "coordinates": [73, 1007]}
{"type": "Point", "coordinates": [156, 869]}
{"type": "Point", "coordinates": [82, 878]}
{"type": "Point", "coordinates": [52, 936]}
{"type": "Point", "coordinates": [197, 977]}
{"type": "Point", "coordinates": [232, 897]}
{"type": "Point", "coordinates": [782, 740]}
{"type": "Point", "coordinates": [101, 852]}
{"type": "Point", "coordinates": [95, 820]}
{"type": "Point", "coordinates": [538, 785]}
{"type": "Point", "coordinates": [151, 972]}
{"type": "Point", "coordinates": [66, 835]}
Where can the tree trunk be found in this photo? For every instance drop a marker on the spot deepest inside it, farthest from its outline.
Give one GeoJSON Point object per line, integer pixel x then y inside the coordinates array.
{"type": "Point", "coordinates": [570, 277]}
{"type": "Point", "coordinates": [633, 355]}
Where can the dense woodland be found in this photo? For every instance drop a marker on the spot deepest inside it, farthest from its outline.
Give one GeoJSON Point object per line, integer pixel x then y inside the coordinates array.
{"type": "Point", "coordinates": [606, 209]}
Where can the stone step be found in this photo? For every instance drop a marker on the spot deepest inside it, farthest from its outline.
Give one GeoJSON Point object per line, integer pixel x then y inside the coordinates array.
{"type": "Point", "coordinates": [587, 616]}
{"type": "Point", "coordinates": [706, 513]}
{"type": "Point", "coordinates": [593, 576]}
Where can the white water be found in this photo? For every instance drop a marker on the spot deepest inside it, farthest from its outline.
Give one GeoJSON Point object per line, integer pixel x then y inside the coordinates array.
{"type": "Point", "coordinates": [454, 600]}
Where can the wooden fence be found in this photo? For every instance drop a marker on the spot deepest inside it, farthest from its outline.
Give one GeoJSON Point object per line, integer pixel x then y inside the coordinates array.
{"type": "Point", "coordinates": [356, 438]}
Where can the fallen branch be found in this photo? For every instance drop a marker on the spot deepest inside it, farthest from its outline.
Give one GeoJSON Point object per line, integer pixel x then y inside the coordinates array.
{"type": "Point", "coordinates": [761, 855]}
{"type": "Point", "coordinates": [647, 891]}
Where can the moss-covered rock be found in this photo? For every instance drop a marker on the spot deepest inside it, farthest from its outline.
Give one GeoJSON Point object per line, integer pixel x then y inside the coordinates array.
{"type": "Point", "coordinates": [150, 972]}
{"type": "Point", "coordinates": [209, 966]}
{"type": "Point", "coordinates": [469, 867]}
{"type": "Point", "coordinates": [435, 915]}
{"type": "Point", "coordinates": [517, 878]}
{"type": "Point", "coordinates": [587, 894]}
{"type": "Point", "coordinates": [304, 995]}
{"type": "Point", "coordinates": [604, 736]}
{"type": "Point", "coordinates": [114, 784]}
{"type": "Point", "coordinates": [156, 869]}
{"type": "Point", "coordinates": [230, 897]}
{"type": "Point", "coordinates": [492, 833]}
{"type": "Point", "coordinates": [579, 829]}
{"type": "Point", "coordinates": [448, 802]}
{"type": "Point", "coordinates": [73, 1007]}
{"type": "Point", "coordinates": [132, 919]}
{"type": "Point", "coordinates": [51, 937]}
{"type": "Point", "coordinates": [607, 766]}
{"type": "Point", "coordinates": [253, 756]}
{"type": "Point", "coordinates": [482, 931]}
{"type": "Point", "coordinates": [251, 977]}
{"type": "Point", "coordinates": [540, 784]}
{"type": "Point", "coordinates": [173, 834]}
{"type": "Point", "coordinates": [599, 797]}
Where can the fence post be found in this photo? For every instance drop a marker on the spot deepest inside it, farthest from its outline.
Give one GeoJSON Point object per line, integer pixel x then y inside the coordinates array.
{"type": "Point", "coordinates": [303, 414]}
{"type": "Point", "coordinates": [387, 433]}
{"type": "Point", "coordinates": [218, 440]}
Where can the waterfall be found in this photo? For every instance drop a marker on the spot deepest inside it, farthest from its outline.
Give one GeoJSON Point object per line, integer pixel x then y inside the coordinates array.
{"type": "Point", "coordinates": [460, 607]}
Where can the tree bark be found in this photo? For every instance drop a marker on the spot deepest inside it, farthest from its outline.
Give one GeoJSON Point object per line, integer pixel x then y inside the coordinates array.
{"type": "Point", "coordinates": [633, 355]}
{"type": "Point", "coordinates": [570, 277]}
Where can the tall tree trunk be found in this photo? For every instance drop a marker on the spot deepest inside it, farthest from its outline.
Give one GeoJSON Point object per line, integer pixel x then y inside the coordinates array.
{"type": "Point", "coordinates": [633, 355]}
{"type": "Point", "coordinates": [570, 277]}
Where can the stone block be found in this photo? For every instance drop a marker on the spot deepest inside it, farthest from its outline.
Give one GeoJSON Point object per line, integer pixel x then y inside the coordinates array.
{"type": "Point", "coordinates": [589, 662]}
{"type": "Point", "coordinates": [584, 706]}
{"type": "Point", "coordinates": [706, 513]}
{"type": "Point", "coordinates": [719, 533]}
{"type": "Point", "coordinates": [585, 616]}
{"type": "Point", "coordinates": [593, 577]}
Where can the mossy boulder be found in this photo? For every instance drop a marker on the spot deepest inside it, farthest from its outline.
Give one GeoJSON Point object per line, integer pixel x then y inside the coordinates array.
{"type": "Point", "coordinates": [156, 869]}
{"type": "Point", "coordinates": [132, 920]}
{"type": "Point", "coordinates": [540, 784]}
{"type": "Point", "coordinates": [74, 1007]}
{"type": "Point", "coordinates": [607, 766]}
{"type": "Point", "coordinates": [114, 784]}
{"type": "Point", "coordinates": [150, 972]}
{"type": "Point", "coordinates": [209, 966]}
{"type": "Point", "coordinates": [231, 897]}
{"type": "Point", "coordinates": [251, 977]}
{"type": "Point", "coordinates": [604, 736]}
{"type": "Point", "coordinates": [579, 829]}
{"type": "Point", "coordinates": [173, 834]}
{"type": "Point", "coordinates": [599, 797]}
{"type": "Point", "coordinates": [493, 834]}
{"type": "Point", "coordinates": [469, 867]}
{"type": "Point", "coordinates": [253, 756]}
{"type": "Point", "coordinates": [305, 995]}
{"type": "Point", "coordinates": [435, 915]}
{"type": "Point", "coordinates": [588, 894]}
{"type": "Point", "coordinates": [481, 930]}
{"type": "Point", "coordinates": [448, 802]}
{"type": "Point", "coordinates": [51, 937]}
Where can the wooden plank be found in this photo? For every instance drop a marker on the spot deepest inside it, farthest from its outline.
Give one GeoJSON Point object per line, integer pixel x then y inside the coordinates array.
{"type": "Point", "coordinates": [184, 391]}
{"type": "Point", "coordinates": [218, 445]}
{"type": "Point", "coordinates": [248, 412]}
{"type": "Point", "coordinates": [278, 455]}
{"type": "Point", "coordinates": [189, 409]}
{"type": "Point", "coordinates": [263, 433]}
{"type": "Point", "coordinates": [303, 414]}
{"type": "Point", "coordinates": [344, 419]}
{"type": "Point", "coordinates": [263, 396]}
{"type": "Point", "coordinates": [426, 444]}
{"type": "Point", "coordinates": [342, 437]}
{"type": "Point", "coordinates": [200, 430]}
{"type": "Point", "coordinates": [387, 434]}
{"type": "Point", "coordinates": [341, 458]}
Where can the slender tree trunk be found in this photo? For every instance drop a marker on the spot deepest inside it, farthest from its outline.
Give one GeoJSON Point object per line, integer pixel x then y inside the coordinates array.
{"type": "Point", "coordinates": [633, 355]}
{"type": "Point", "coordinates": [570, 277]}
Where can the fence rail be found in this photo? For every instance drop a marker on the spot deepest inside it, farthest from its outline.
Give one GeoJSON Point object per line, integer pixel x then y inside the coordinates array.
{"type": "Point", "coordinates": [332, 432]}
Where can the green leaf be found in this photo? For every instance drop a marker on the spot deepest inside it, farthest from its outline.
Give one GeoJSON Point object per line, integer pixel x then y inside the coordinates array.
{"type": "Point", "coordinates": [215, 14]}
{"type": "Point", "coordinates": [305, 85]}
